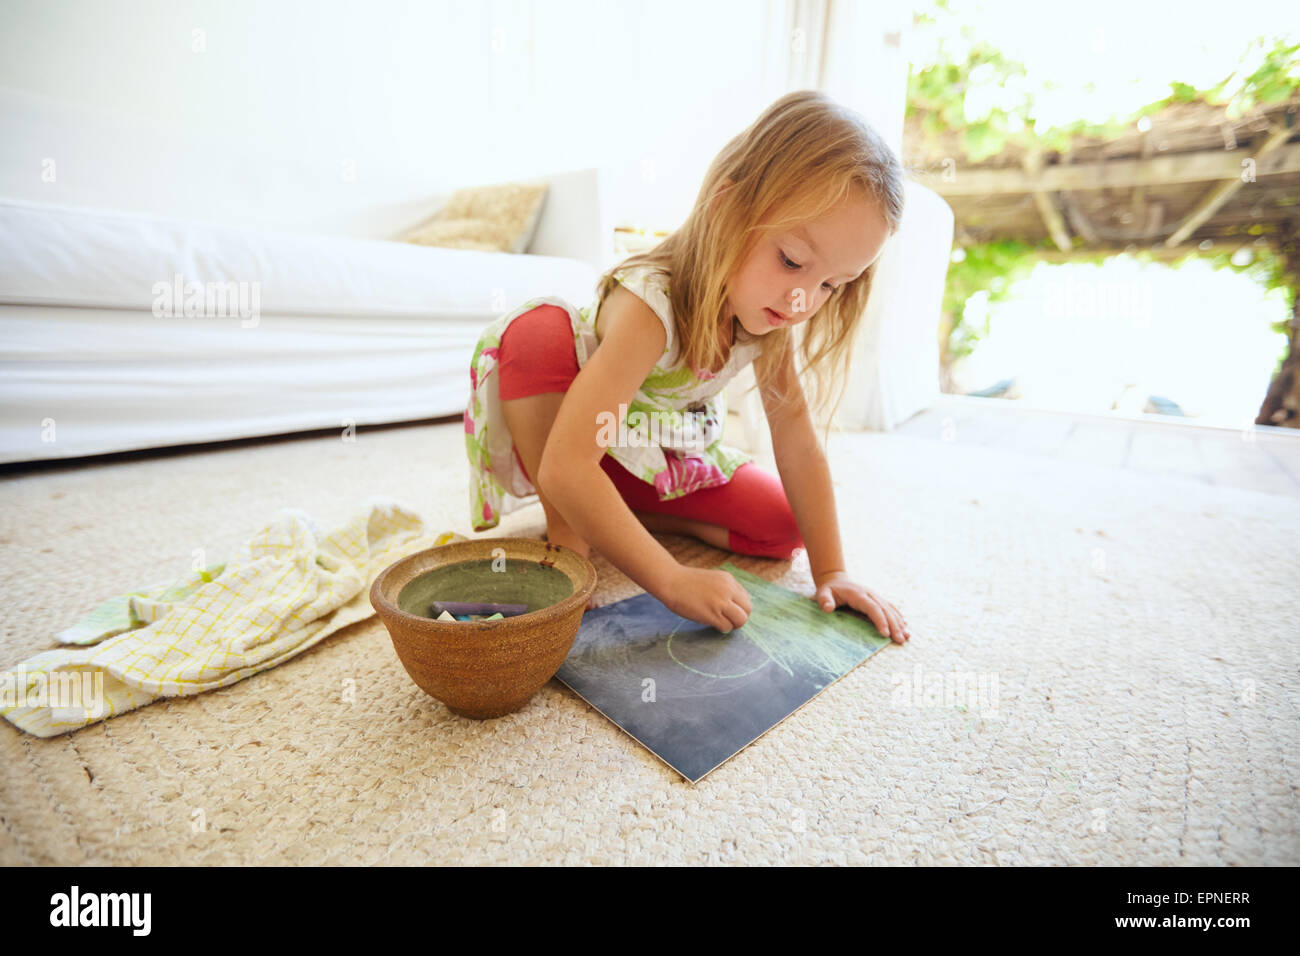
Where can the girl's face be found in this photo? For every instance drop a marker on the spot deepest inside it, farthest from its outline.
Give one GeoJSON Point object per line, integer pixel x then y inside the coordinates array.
{"type": "Point", "coordinates": [787, 276]}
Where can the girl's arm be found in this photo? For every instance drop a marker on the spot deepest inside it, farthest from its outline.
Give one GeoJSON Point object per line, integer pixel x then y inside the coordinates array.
{"type": "Point", "coordinates": [806, 476]}
{"type": "Point", "coordinates": [578, 487]}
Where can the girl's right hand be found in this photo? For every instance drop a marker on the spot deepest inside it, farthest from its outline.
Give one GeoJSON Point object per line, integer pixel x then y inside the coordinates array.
{"type": "Point", "coordinates": [709, 596]}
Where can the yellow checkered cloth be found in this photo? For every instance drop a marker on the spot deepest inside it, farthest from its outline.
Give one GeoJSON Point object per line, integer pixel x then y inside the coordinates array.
{"type": "Point", "coordinates": [289, 587]}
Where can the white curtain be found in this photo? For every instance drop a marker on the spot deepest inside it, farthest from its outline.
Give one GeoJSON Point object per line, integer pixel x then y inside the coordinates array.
{"type": "Point", "coordinates": [807, 25]}
{"type": "Point", "coordinates": [647, 89]}
{"type": "Point", "coordinates": [856, 52]}
{"type": "Point", "coordinates": [853, 51]}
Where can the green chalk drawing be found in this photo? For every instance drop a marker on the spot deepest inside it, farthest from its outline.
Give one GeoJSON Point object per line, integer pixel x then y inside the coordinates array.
{"type": "Point", "coordinates": [737, 634]}
{"type": "Point", "coordinates": [731, 693]}
{"type": "Point", "coordinates": [797, 634]}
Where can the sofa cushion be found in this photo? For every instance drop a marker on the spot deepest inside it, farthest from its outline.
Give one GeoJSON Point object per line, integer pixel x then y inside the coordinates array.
{"type": "Point", "coordinates": [499, 218]}
{"type": "Point", "coordinates": [68, 256]}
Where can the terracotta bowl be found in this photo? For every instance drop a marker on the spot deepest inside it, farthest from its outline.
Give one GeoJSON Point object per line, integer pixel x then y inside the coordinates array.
{"type": "Point", "coordinates": [485, 668]}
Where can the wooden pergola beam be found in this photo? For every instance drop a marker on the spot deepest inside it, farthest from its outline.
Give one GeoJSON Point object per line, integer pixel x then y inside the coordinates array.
{"type": "Point", "coordinates": [1079, 220]}
{"type": "Point", "coordinates": [1224, 190]}
{"type": "Point", "coordinates": [1033, 162]}
{"type": "Point", "coordinates": [1203, 166]}
{"type": "Point", "coordinates": [1052, 219]}
{"type": "Point", "coordinates": [1160, 252]}
{"type": "Point", "coordinates": [1155, 218]}
{"type": "Point", "coordinates": [1139, 205]}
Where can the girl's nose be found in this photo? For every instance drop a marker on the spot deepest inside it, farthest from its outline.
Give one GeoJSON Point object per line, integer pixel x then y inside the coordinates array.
{"type": "Point", "coordinates": [796, 299]}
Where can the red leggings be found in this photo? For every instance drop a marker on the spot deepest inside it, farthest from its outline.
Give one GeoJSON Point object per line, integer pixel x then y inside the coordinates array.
{"type": "Point", "coordinates": [537, 355]}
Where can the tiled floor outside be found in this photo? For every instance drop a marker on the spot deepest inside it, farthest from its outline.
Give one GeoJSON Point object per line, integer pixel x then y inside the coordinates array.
{"type": "Point", "coordinates": [1263, 458]}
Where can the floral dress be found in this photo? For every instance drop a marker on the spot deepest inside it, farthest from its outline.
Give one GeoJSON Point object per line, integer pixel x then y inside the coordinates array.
{"type": "Point", "coordinates": [670, 437]}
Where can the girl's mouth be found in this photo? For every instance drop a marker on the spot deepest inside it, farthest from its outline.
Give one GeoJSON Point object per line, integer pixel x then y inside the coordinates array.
{"type": "Point", "coordinates": [773, 318]}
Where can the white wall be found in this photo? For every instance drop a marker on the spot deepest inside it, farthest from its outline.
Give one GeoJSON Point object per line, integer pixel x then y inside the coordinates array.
{"type": "Point", "coordinates": [297, 113]}
{"type": "Point", "coordinates": [335, 115]}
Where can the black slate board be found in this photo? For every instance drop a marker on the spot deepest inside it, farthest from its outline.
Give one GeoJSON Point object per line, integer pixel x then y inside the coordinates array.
{"type": "Point", "coordinates": [696, 696]}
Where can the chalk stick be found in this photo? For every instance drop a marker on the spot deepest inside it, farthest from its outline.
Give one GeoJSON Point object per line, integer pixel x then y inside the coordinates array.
{"type": "Point", "coordinates": [470, 607]}
{"type": "Point", "coordinates": [444, 616]}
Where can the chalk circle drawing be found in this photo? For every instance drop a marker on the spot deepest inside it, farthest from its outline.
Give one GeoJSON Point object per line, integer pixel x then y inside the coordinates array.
{"type": "Point", "coordinates": [705, 716]}
{"type": "Point", "coordinates": [767, 658]}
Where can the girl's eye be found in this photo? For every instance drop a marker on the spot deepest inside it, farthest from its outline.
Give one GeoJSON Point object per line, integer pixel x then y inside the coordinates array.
{"type": "Point", "coordinates": [794, 265]}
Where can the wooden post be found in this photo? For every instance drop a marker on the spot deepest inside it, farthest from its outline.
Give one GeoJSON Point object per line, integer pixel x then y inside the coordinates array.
{"type": "Point", "coordinates": [1281, 405]}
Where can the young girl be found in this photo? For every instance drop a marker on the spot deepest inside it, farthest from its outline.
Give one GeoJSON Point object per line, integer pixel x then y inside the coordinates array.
{"type": "Point", "coordinates": [612, 414]}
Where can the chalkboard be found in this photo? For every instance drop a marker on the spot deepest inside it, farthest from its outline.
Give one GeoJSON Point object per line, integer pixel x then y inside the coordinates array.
{"type": "Point", "coordinates": [696, 696]}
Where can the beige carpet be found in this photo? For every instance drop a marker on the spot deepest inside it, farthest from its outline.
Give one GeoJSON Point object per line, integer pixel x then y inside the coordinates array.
{"type": "Point", "coordinates": [1135, 639]}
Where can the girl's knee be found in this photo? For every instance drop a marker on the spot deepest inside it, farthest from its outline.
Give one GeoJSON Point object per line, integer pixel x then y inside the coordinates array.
{"type": "Point", "coordinates": [785, 548]}
{"type": "Point", "coordinates": [777, 536]}
{"type": "Point", "coordinates": [782, 550]}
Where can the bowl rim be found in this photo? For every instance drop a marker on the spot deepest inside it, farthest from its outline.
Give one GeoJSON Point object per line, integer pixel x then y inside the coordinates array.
{"type": "Point", "coordinates": [578, 597]}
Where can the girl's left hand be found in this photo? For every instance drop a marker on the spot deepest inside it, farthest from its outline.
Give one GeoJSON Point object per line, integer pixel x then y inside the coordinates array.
{"type": "Point", "coordinates": [837, 588]}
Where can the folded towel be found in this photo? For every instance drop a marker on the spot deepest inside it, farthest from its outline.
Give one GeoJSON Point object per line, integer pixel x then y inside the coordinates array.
{"type": "Point", "coordinates": [289, 587]}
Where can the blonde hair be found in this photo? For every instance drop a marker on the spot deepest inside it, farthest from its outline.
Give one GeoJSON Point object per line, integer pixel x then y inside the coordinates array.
{"type": "Point", "coordinates": [800, 158]}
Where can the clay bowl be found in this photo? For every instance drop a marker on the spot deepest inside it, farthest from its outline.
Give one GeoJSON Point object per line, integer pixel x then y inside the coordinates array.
{"type": "Point", "coordinates": [485, 669]}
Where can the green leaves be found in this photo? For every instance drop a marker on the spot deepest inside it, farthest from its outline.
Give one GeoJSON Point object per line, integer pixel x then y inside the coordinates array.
{"type": "Point", "coordinates": [980, 95]}
{"type": "Point", "coordinates": [984, 101]}
{"type": "Point", "coordinates": [982, 141]}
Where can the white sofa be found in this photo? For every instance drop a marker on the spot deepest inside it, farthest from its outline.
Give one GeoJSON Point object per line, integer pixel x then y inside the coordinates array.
{"type": "Point", "coordinates": [348, 331]}
{"type": "Point", "coordinates": [97, 355]}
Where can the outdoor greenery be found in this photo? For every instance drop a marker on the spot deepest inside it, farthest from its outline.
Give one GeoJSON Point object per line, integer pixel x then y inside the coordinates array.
{"type": "Point", "coordinates": [937, 93]}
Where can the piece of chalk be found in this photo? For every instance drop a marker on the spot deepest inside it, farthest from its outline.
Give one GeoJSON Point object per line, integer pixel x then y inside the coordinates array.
{"type": "Point", "coordinates": [444, 616]}
{"type": "Point", "coordinates": [471, 607]}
